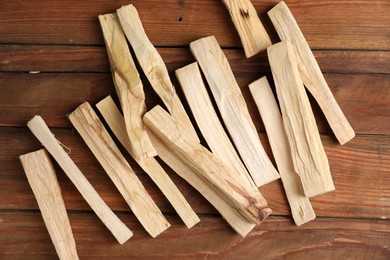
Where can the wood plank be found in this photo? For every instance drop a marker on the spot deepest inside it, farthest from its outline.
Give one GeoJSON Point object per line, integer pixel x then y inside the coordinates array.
{"type": "Point", "coordinates": [43, 181]}
{"type": "Point", "coordinates": [45, 95]}
{"type": "Point", "coordinates": [152, 64]}
{"type": "Point", "coordinates": [300, 206]}
{"type": "Point", "coordinates": [114, 119]}
{"type": "Point", "coordinates": [365, 195]}
{"type": "Point", "coordinates": [23, 235]}
{"type": "Point", "coordinates": [52, 58]}
{"type": "Point", "coordinates": [254, 37]}
{"type": "Point", "coordinates": [310, 72]}
{"type": "Point", "coordinates": [99, 141]}
{"type": "Point", "coordinates": [326, 24]}
{"type": "Point", "coordinates": [128, 86]}
{"type": "Point", "coordinates": [233, 109]}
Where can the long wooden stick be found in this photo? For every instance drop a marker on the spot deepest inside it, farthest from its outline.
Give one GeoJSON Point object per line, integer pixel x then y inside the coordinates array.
{"type": "Point", "coordinates": [43, 181]}
{"type": "Point", "coordinates": [233, 109]}
{"type": "Point", "coordinates": [92, 130]}
{"type": "Point", "coordinates": [41, 131]}
{"type": "Point", "coordinates": [288, 30]}
{"type": "Point", "coordinates": [114, 119]}
{"type": "Point", "coordinates": [208, 122]}
{"type": "Point", "coordinates": [308, 154]}
{"type": "Point", "coordinates": [254, 37]}
{"type": "Point", "coordinates": [128, 85]}
{"type": "Point", "coordinates": [248, 202]}
{"type": "Point", "coordinates": [301, 209]}
{"type": "Point", "coordinates": [152, 64]}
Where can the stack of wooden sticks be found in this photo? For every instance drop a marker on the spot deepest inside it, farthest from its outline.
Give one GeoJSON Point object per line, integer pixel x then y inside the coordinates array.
{"type": "Point", "coordinates": [227, 174]}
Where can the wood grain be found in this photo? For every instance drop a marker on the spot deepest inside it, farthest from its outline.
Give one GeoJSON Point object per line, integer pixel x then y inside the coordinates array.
{"type": "Point", "coordinates": [276, 238]}
{"type": "Point", "coordinates": [326, 24]}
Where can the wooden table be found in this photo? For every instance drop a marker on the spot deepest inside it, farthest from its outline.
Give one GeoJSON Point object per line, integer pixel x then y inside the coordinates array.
{"type": "Point", "coordinates": [52, 58]}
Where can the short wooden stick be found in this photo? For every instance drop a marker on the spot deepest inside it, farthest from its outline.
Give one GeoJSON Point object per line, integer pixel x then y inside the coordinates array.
{"type": "Point", "coordinates": [92, 130]}
{"type": "Point", "coordinates": [254, 37]}
{"type": "Point", "coordinates": [43, 181]}
{"type": "Point", "coordinates": [114, 119]}
{"type": "Point", "coordinates": [152, 64]}
{"type": "Point", "coordinates": [288, 30]}
{"type": "Point", "coordinates": [233, 109]}
{"type": "Point", "coordinates": [128, 86]}
{"type": "Point", "coordinates": [308, 153]}
{"type": "Point", "coordinates": [41, 131]}
{"type": "Point", "coordinates": [301, 209]}
{"type": "Point", "coordinates": [249, 203]}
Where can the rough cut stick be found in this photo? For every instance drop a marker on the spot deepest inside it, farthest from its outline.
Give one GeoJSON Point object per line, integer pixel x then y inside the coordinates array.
{"type": "Point", "coordinates": [229, 213]}
{"type": "Point", "coordinates": [308, 154]}
{"type": "Point", "coordinates": [248, 202]}
{"type": "Point", "coordinates": [43, 181]}
{"type": "Point", "coordinates": [92, 130]}
{"type": "Point", "coordinates": [114, 119]}
{"type": "Point", "coordinates": [152, 64]}
{"type": "Point", "coordinates": [233, 109]}
{"type": "Point", "coordinates": [208, 122]}
{"type": "Point", "coordinates": [254, 37]}
{"type": "Point", "coordinates": [42, 132]}
{"type": "Point", "coordinates": [128, 86]}
{"type": "Point", "coordinates": [288, 30]}
{"type": "Point", "coordinates": [301, 209]}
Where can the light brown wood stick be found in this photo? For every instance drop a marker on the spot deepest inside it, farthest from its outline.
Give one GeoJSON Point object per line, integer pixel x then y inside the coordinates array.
{"type": "Point", "coordinates": [152, 64]}
{"type": "Point", "coordinates": [308, 154]}
{"type": "Point", "coordinates": [301, 209]}
{"type": "Point", "coordinates": [248, 202]}
{"type": "Point", "coordinates": [42, 132]}
{"type": "Point", "coordinates": [288, 30]}
{"type": "Point", "coordinates": [254, 37]}
{"type": "Point", "coordinates": [233, 109]}
{"type": "Point", "coordinates": [208, 122]}
{"type": "Point", "coordinates": [128, 85]}
{"type": "Point", "coordinates": [114, 119]}
{"type": "Point", "coordinates": [43, 181]}
{"type": "Point", "coordinates": [92, 130]}
{"type": "Point", "coordinates": [229, 213]}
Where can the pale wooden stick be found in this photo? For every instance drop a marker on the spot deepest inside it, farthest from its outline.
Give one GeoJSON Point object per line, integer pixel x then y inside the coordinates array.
{"type": "Point", "coordinates": [208, 122]}
{"type": "Point", "coordinates": [152, 64]}
{"type": "Point", "coordinates": [248, 202]}
{"type": "Point", "coordinates": [233, 109]}
{"type": "Point", "coordinates": [92, 130]}
{"type": "Point", "coordinates": [288, 30]}
{"type": "Point", "coordinates": [301, 209]}
{"type": "Point", "coordinates": [41, 131]}
{"type": "Point", "coordinates": [254, 37]}
{"type": "Point", "coordinates": [128, 85]}
{"type": "Point", "coordinates": [43, 181]}
{"type": "Point", "coordinates": [114, 119]}
{"type": "Point", "coordinates": [308, 154]}
{"type": "Point", "coordinates": [229, 213]}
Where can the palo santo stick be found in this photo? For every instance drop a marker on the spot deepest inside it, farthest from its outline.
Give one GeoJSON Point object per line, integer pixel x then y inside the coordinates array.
{"type": "Point", "coordinates": [248, 202]}
{"type": "Point", "coordinates": [43, 181]}
{"type": "Point", "coordinates": [114, 119]}
{"type": "Point", "coordinates": [301, 209]}
{"type": "Point", "coordinates": [233, 109]}
{"type": "Point", "coordinates": [42, 132]}
{"type": "Point", "coordinates": [128, 86]}
{"type": "Point", "coordinates": [152, 64]}
{"type": "Point", "coordinates": [212, 130]}
{"type": "Point", "coordinates": [254, 37]}
{"type": "Point", "coordinates": [92, 130]}
{"type": "Point", "coordinates": [308, 154]}
{"type": "Point", "coordinates": [229, 213]}
{"type": "Point", "coordinates": [288, 30]}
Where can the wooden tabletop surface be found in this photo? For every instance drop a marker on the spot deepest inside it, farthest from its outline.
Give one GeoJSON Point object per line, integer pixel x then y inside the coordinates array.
{"type": "Point", "coordinates": [52, 58]}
